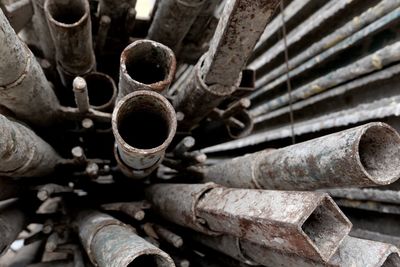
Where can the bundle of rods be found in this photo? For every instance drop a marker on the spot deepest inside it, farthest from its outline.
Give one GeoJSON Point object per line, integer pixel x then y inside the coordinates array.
{"type": "Point", "coordinates": [132, 140]}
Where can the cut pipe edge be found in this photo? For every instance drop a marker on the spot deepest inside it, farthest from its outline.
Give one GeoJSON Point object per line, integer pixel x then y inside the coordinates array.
{"type": "Point", "coordinates": [53, 10]}
{"type": "Point", "coordinates": [100, 85]}
{"type": "Point", "coordinates": [325, 227]}
{"type": "Point", "coordinates": [146, 64]}
{"type": "Point", "coordinates": [144, 147]}
{"type": "Point", "coordinates": [378, 156]}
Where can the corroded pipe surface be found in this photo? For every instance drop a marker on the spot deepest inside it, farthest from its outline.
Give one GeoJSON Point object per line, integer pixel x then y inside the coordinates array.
{"type": "Point", "coordinates": [306, 223]}
{"type": "Point", "coordinates": [144, 124]}
{"type": "Point", "coordinates": [351, 252]}
{"type": "Point", "coordinates": [146, 65]}
{"type": "Point", "coordinates": [70, 27]}
{"type": "Point", "coordinates": [110, 243]}
{"type": "Point", "coordinates": [217, 74]}
{"type": "Point", "coordinates": [23, 153]}
{"type": "Point", "coordinates": [23, 87]}
{"type": "Point", "coordinates": [172, 21]}
{"type": "Point", "coordinates": [368, 155]}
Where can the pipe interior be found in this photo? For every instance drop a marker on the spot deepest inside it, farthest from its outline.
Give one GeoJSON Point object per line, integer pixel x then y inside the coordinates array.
{"type": "Point", "coordinates": [325, 227]}
{"type": "Point", "coordinates": [67, 11]}
{"type": "Point", "coordinates": [147, 63]}
{"type": "Point", "coordinates": [379, 150]}
{"type": "Point", "coordinates": [150, 260]}
{"type": "Point", "coordinates": [143, 122]}
{"type": "Point", "coordinates": [392, 261]}
{"type": "Point", "coordinates": [100, 89]}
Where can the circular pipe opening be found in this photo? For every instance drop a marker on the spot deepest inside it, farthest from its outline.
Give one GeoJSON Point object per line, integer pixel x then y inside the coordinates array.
{"type": "Point", "coordinates": [67, 12]}
{"type": "Point", "coordinates": [148, 62]}
{"type": "Point", "coordinates": [144, 120]}
{"type": "Point", "coordinates": [101, 90]}
{"type": "Point", "coordinates": [150, 260]}
{"type": "Point", "coordinates": [379, 153]}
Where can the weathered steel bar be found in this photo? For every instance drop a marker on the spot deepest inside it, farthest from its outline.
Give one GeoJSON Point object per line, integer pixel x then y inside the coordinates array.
{"type": "Point", "coordinates": [118, 12]}
{"type": "Point", "coordinates": [102, 32]}
{"type": "Point", "coordinates": [338, 95]}
{"type": "Point", "coordinates": [217, 74]}
{"type": "Point", "coordinates": [329, 10]}
{"type": "Point", "coordinates": [293, 9]}
{"type": "Point", "coordinates": [23, 153]}
{"type": "Point", "coordinates": [167, 235]}
{"type": "Point", "coordinates": [367, 155]}
{"type": "Point", "coordinates": [23, 87]}
{"type": "Point", "coordinates": [43, 32]}
{"type": "Point", "coordinates": [375, 236]}
{"type": "Point", "coordinates": [376, 110]}
{"type": "Point", "coordinates": [143, 124]}
{"type": "Point", "coordinates": [370, 29]}
{"type": "Point", "coordinates": [80, 90]}
{"type": "Point", "coordinates": [381, 58]}
{"type": "Point", "coordinates": [102, 91]}
{"type": "Point", "coordinates": [110, 243]}
{"type": "Point", "coordinates": [132, 209]}
{"type": "Point", "coordinates": [12, 222]}
{"type": "Point", "coordinates": [369, 16]}
{"type": "Point", "coordinates": [146, 65]}
{"type": "Point", "coordinates": [172, 21]}
{"type": "Point", "coordinates": [307, 223]}
{"type": "Point", "coordinates": [387, 196]}
{"type": "Point", "coordinates": [47, 190]}
{"type": "Point", "coordinates": [70, 27]}
{"type": "Point", "coordinates": [351, 252]}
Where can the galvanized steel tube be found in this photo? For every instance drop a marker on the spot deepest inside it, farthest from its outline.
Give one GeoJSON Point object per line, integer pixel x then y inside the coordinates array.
{"type": "Point", "coordinates": [172, 21]}
{"type": "Point", "coordinates": [144, 124]}
{"type": "Point", "coordinates": [367, 155]}
{"type": "Point", "coordinates": [110, 243]}
{"type": "Point", "coordinates": [71, 30]}
{"type": "Point", "coordinates": [306, 223]}
{"type": "Point", "coordinates": [23, 153]}
{"type": "Point", "coordinates": [23, 87]}
{"type": "Point", "coordinates": [146, 65]}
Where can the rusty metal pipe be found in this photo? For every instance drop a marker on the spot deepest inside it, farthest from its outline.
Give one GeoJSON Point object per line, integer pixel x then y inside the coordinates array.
{"type": "Point", "coordinates": [218, 72]}
{"type": "Point", "coordinates": [368, 155]}
{"type": "Point", "coordinates": [23, 87]}
{"type": "Point", "coordinates": [102, 91]}
{"type": "Point", "coordinates": [71, 30]}
{"type": "Point", "coordinates": [146, 65]}
{"type": "Point", "coordinates": [110, 243]}
{"type": "Point", "coordinates": [23, 153]}
{"type": "Point", "coordinates": [351, 252]}
{"type": "Point", "coordinates": [144, 124]}
{"type": "Point", "coordinates": [306, 223]}
{"type": "Point", "coordinates": [173, 20]}
{"type": "Point", "coordinates": [43, 32]}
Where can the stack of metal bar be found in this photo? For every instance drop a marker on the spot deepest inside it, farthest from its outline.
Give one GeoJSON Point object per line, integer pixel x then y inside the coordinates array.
{"type": "Point", "coordinates": [203, 133]}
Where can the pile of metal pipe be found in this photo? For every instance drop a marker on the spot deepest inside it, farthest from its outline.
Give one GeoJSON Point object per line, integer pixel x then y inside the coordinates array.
{"type": "Point", "coordinates": [203, 133]}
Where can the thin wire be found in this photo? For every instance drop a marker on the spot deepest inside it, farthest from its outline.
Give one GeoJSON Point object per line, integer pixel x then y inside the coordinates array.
{"type": "Point", "coordinates": [288, 83]}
